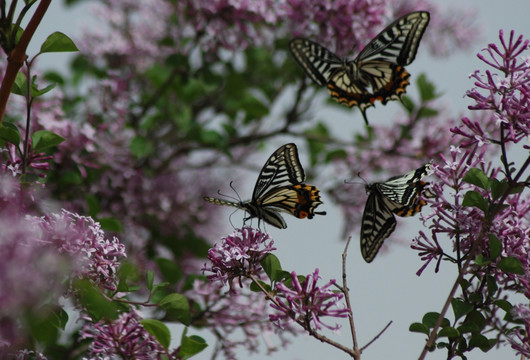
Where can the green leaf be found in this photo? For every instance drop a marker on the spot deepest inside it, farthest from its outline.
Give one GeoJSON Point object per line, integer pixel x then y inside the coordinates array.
{"type": "Point", "coordinates": [498, 188]}
{"type": "Point", "coordinates": [426, 88]}
{"type": "Point", "coordinates": [9, 133]}
{"type": "Point", "coordinates": [159, 330]}
{"type": "Point", "coordinates": [20, 86]}
{"type": "Point", "coordinates": [408, 104]}
{"type": "Point", "coordinates": [190, 346]}
{"type": "Point", "coordinates": [93, 205]}
{"type": "Point", "coordinates": [460, 308]}
{"type": "Point", "coordinates": [481, 260]}
{"type": "Point", "coordinates": [253, 108]}
{"type": "Point", "coordinates": [43, 139]}
{"type": "Point", "coordinates": [419, 328]}
{"type": "Point", "coordinates": [427, 112]}
{"type": "Point", "coordinates": [511, 265]}
{"type": "Point", "coordinates": [338, 154]}
{"type": "Point", "coordinates": [43, 324]}
{"type": "Point", "coordinates": [178, 306]}
{"type": "Point", "coordinates": [468, 328]}
{"type": "Point", "coordinates": [169, 269]}
{"type": "Point", "coordinates": [477, 177]}
{"type": "Point", "coordinates": [430, 318]}
{"type": "Point", "coordinates": [491, 283]}
{"type": "Point", "coordinates": [475, 317]}
{"type": "Point", "coordinates": [255, 288]}
{"type": "Point", "coordinates": [97, 305]}
{"type": "Point", "coordinates": [140, 147]}
{"type": "Point", "coordinates": [149, 279]}
{"type": "Point", "coordinates": [495, 246]}
{"type": "Point", "coordinates": [475, 199]}
{"type": "Point", "coordinates": [272, 266]}
{"type": "Point", "coordinates": [504, 305]}
{"type": "Point", "coordinates": [127, 273]}
{"type": "Point", "coordinates": [449, 332]}
{"type": "Point", "coordinates": [110, 224]}
{"type": "Point", "coordinates": [482, 342]}
{"type": "Point", "coordinates": [58, 42]}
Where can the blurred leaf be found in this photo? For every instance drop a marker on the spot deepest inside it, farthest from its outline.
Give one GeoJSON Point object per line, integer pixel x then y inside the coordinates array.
{"type": "Point", "coordinates": [149, 279]}
{"type": "Point", "coordinates": [511, 265]}
{"type": "Point", "coordinates": [169, 269]}
{"type": "Point", "coordinates": [9, 132]}
{"type": "Point", "coordinates": [477, 177]}
{"type": "Point", "coordinates": [427, 112]}
{"type": "Point", "coordinates": [430, 318]}
{"type": "Point", "coordinates": [475, 199]}
{"type": "Point", "coordinates": [43, 139]}
{"type": "Point", "coordinates": [159, 330]}
{"type": "Point", "coordinates": [127, 273]}
{"type": "Point", "coordinates": [481, 260]}
{"type": "Point", "coordinates": [254, 109]}
{"type": "Point", "coordinates": [468, 328]}
{"type": "Point", "coordinates": [426, 88]}
{"type": "Point", "coordinates": [110, 224]}
{"type": "Point", "coordinates": [492, 285]}
{"type": "Point", "coordinates": [212, 137]}
{"type": "Point", "coordinates": [419, 328]}
{"type": "Point", "coordinates": [255, 288]}
{"type": "Point", "coordinates": [28, 178]}
{"type": "Point", "coordinates": [475, 317]}
{"type": "Point", "coordinates": [480, 341]}
{"type": "Point", "coordinates": [191, 346]}
{"type": "Point", "coordinates": [93, 205]}
{"type": "Point", "coordinates": [141, 147]}
{"type": "Point", "coordinates": [272, 266]}
{"type": "Point", "coordinates": [408, 104]}
{"type": "Point", "coordinates": [58, 42]}
{"type": "Point", "coordinates": [504, 305]}
{"type": "Point", "coordinates": [178, 306]}
{"type": "Point", "coordinates": [460, 308]}
{"type": "Point", "coordinates": [54, 77]}
{"type": "Point", "coordinates": [449, 332]}
{"type": "Point", "coordinates": [44, 324]}
{"type": "Point", "coordinates": [20, 86]}
{"type": "Point", "coordinates": [338, 154]}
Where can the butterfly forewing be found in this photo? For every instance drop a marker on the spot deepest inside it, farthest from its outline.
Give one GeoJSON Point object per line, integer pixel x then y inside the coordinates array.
{"type": "Point", "coordinates": [279, 187]}
{"type": "Point", "coordinates": [399, 195]}
{"type": "Point", "coordinates": [376, 74]}
{"type": "Point", "coordinates": [317, 61]}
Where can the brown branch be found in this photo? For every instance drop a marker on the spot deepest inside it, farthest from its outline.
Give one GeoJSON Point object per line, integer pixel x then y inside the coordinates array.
{"type": "Point", "coordinates": [346, 292]}
{"type": "Point", "coordinates": [16, 58]}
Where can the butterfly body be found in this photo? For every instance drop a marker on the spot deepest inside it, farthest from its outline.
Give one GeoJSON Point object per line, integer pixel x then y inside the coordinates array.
{"type": "Point", "coordinates": [376, 74]}
{"type": "Point", "coordinates": [279, 188]}
{"type": "Point", "coordinates": [399, 195]}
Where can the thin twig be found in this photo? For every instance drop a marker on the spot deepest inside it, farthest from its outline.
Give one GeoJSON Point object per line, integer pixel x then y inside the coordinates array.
{"type": "Point", "coordinates": [346, 292]}
{"type": "Point", "coordinates": [377, 336]}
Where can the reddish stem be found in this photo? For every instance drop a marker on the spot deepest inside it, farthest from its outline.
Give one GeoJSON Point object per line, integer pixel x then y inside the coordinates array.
{"type": "Point", "coordinates": [16, 58]}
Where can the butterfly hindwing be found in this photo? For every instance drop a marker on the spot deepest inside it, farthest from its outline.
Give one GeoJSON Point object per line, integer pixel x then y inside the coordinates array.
{"type": "Point", "coordinates": [376, 74]}
{"type": "Point", "coordinates": [279, 188]}
{"type": "Point", "coordinates": [399, 195]}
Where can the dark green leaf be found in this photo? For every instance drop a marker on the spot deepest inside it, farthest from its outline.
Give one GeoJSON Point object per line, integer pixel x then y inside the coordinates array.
{"type": "Point", "coordinates": [449, 332]}
{"type": "Point", "coordinates": [43, 139]}
{"type": "Point", "coordinates": [159, 330]}
{"type": "Point", "coordinates": [475, 317]}
{"type": "Point", "coordinates": [408, 104]}
{"type": "Point", "coordinates": [483, 343]}
{"type": "Point", "coordinates": [149, 279]}
{"type": "Point", "coordinates": [477, 177]}
{"type": "Point", "coordinates": [178, 306]}
{"type": "Point", "coordinates": [468, 328]}
{"type": "Point", "coordinates": [338, 154]}
{"type": "Point", "coordinates": [495, 246]}
{"type": "Point", "coordinates": [58, 42]}
{"type": "Point", "coordinates": [93, 205]}
{"type": "Point", "coordinates": [9, 132]}
{"type": "Point", "coordinates": [498, 188]}
{"type": "Point", "coordinates": [127, 273]}
{"type": "Point", "coordinates": [491, 283]}
{"type": "Point", "coordinates": [110, 224]}
{"type": "Point", "coordinates": [481, 260]}
{"type": "Point", "coordinates": [474, 198]}
{"type": "Point", "coordinates": [272, 266]}
{"type": "Point", "coordinates": [97, 305]}
{"type": "Point", "coordinates": [430, 318]}
{"type": "Point", "coordinates": [419, 328]}
{"type": "Point", "coordinates": [20, 86]}
{"type": "Point", "coordinates": [212, 137]}
{"type": "Point", "coordinates": [427, 112]}
{"type": "Point", "coordinates": [253, 108]}
{"type": "Point", "coordinates": [504, 305]}
{"type": "Point", "coordinates": [254, 287]}
{"type": "Point", "coordinates": [44, 325]}
{"type": "Point", "coordinates": [460, 308]}
{"type": "Point", "coordinates": [511, 265]}
{"type": "Point", "coordinates": [169, 269]}
{"type": "Point", "coordinates": [191, 346]}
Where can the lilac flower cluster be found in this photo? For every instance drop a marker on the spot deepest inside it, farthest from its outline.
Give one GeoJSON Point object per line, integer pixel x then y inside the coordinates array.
{"type": "Point", "coordinates": [83, 239]}
{"type": "Point", "coordinates": [124, 337]}
{"type": "Point", "coordinates": [228, 313]}
{"type": "Point", "coordinates": [305, 302]}
{"type": "Point", "coordinates": [519, 340]}
{"type": "Point", "coordinates": [238, 255]}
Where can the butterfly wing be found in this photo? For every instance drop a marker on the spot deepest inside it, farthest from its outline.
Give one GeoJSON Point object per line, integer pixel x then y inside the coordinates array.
{"type": "Point", "coordinates": [377, 224]}
{"type": "Point", "coordinates": [380, 65]}
{"type": "Point", "coordinates": [318, 62]}
{"type": "Point", "coordinates": [283, 168]}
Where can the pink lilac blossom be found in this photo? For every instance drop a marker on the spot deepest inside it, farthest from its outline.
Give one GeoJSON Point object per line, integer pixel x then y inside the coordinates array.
{"type": "Point", "coordinates": [83, 239]}
{"type": "Point", "coordinates": [228, 314]}
{"type": "Point", "coordinates": [15, 164]}
{"type": "Point", "coordinates": [305, 302]}
{"type": "Point", "coordinates": [238, 255]}
{"type": "Point", "coordinates": [124, 337]}
{"type": "Point", "coordinates": [506, 91]}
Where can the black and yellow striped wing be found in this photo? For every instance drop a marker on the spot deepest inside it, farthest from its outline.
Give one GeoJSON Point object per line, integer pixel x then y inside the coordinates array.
{"type": "Point", "coordinates": [376, 74]}
{"type": "Point", "coordinates": [279, 188]}
{"type": "Point", "coordinates": [399, 195]}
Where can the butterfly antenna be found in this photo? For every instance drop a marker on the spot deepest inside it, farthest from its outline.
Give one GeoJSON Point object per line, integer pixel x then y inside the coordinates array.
{"type": "Point", "coordinates": [232, 187]}
{"type": "Point", "coordinates": [356, 182]}
{"type": "Point", "coordinates": [238, 199]}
